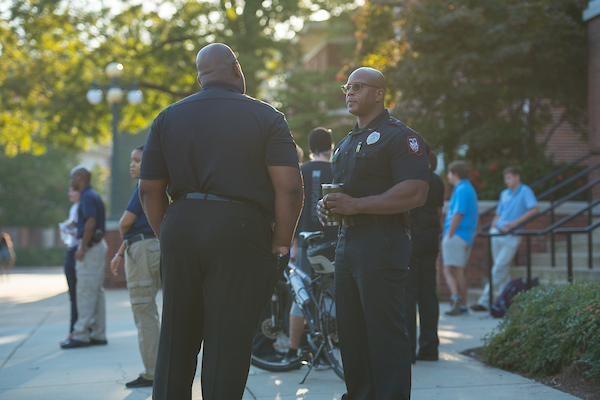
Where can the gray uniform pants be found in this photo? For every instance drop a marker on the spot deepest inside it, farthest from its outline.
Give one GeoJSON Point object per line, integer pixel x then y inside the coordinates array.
{"type": "Point", "coordinates": [91, 305]}
{"type": "Point", "coordinates": [142, 267]}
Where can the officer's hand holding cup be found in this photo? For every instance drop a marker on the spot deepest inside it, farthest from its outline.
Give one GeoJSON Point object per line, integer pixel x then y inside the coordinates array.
{"type": "Point", "coordinates": [333, 218]}
{"type": "Point", "coordinates": [322, 212]}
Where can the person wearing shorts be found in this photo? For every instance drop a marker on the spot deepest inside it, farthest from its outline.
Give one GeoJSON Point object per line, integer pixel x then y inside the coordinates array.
{"type": "Point", "coordinates": [459, 233]}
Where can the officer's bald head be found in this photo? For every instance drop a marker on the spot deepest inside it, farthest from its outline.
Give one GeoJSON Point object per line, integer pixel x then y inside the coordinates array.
{"type": "Point", "coordinates": [368, 75]}
{"type": "Point", "coordinates": [217, 62]}
{"type": "Point", "coordinates": [80, 177]}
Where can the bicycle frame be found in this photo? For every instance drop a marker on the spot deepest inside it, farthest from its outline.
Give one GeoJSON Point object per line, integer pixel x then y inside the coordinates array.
{"type": "Point", "coordinates": [305, 309]}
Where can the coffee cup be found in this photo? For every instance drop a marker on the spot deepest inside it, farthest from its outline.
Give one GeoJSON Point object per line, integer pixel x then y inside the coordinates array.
{"type": "Point", "coordinates": [333, 219]}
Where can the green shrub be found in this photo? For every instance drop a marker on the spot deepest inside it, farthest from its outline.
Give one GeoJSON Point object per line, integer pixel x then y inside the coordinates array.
{"type": "Point", "coordinates": [31, 257]}
{"type": "Point", "coordinates": [547, 329]}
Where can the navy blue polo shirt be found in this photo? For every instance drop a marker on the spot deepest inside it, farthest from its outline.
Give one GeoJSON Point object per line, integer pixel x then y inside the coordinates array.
{"type": "Point", "coordinates": [219, 141]}
{"type": "Point", "coordinates": [371, 160]}
{"type": "Point", "coordinates": [141, 224]}
{"type": "Point", "coordinates": [90, 205]}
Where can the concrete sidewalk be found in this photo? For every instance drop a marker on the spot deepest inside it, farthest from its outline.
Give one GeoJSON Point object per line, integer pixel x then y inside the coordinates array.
{"type": "Point", "coordinates": [34, 318]}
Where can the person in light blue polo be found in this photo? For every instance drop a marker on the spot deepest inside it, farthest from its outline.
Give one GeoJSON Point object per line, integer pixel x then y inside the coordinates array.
{"type": "Point", "coordinates": [459, 234]}
{"type": "Point", "coordinates": [517, 204]}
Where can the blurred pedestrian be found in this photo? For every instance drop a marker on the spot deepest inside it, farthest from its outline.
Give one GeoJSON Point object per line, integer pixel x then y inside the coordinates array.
{"type": "Point", "coordinates": [229, 163]}
{"type": "Point", "coordinates": [140, 252]}
{"type": "Point", "coordinates": [460, 228]}
{"type": "Point", "coordinates": [314, 173]}
{"type": "Point", "coordinates": [7, 254]}
{"type": "Point", "coordinates": [68, 230]}
{"type": "Point", "coordinates": [90, 327]}
{"type": "Point", "coordinates": [517, 204]}
{"type": "Point", "coordinates": [421, 287]}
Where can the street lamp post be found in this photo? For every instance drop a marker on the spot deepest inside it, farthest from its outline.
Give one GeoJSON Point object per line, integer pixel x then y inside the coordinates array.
{"type": "Point", "coordinates": [114, 95]}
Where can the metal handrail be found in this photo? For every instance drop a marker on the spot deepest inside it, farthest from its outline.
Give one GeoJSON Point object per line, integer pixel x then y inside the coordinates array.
{"type": "Point", "coordinates": [567, 181]}
{"type": "Point", "coordinates": [517, 230]}
{"type": "Point", "coordinates": [548, 177]}
{"type": "Point", "coordinates": [569, 233]}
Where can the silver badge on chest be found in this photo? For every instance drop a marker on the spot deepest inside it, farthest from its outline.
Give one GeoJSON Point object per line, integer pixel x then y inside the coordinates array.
{"type": "Point", "coordinates": [373, 137]}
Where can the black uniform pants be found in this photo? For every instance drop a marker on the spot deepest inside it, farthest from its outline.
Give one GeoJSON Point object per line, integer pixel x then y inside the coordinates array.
{"type": "Point", "coordinates": [218, 273]}
{"type": "Point", "coordinates": [371, 267]}
{"type": "Point", "coordinates": [421, 289]}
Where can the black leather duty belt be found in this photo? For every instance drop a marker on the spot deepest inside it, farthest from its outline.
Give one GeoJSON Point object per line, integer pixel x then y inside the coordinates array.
{"type": "Point", "coordinates": [368, 219]}
{"type": "Point", "coordinates": [214, 197]}
{"type": "Point", "coordinates": [140, 236]}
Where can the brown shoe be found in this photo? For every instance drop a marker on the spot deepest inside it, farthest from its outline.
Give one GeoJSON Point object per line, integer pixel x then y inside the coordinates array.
{"type": "Point", "coordinates": [478, 307]}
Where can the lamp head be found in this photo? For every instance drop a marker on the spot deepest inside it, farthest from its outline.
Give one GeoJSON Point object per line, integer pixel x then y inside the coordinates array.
{"type": "Point", "coordinates": [114, 70]}
{"type": "Point", "coordinates": [94, 96]}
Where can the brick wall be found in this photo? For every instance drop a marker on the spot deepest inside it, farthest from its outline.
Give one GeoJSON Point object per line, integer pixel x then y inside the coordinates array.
{"type": "Point", "coordinates": [564, 144]}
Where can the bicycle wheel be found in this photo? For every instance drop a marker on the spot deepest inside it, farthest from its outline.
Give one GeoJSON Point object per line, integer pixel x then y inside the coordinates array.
{"type": "Point", "coordinates": [328, 325]}
{"type": "Point", "coordinates": [271, 341]}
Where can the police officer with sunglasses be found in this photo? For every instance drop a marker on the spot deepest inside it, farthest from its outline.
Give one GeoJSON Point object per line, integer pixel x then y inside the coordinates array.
{"type": "Point", "coordinates": [383, 166]}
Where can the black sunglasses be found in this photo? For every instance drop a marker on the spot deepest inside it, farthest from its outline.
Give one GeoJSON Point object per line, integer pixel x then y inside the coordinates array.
{"type": "Point", "coordinates": [356, 87]}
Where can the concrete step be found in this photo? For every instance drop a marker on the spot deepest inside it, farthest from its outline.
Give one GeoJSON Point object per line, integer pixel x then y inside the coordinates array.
{"type": "Point", "coordinates": [580, 259]}
{"type": "Point", "coordinates": [559, 273]}
{"type": "Point", "coordinates": [473, 295]}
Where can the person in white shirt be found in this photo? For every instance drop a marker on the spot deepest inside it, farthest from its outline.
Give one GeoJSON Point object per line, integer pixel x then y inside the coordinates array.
{"type": "Point", "coordinates": [68, 235]}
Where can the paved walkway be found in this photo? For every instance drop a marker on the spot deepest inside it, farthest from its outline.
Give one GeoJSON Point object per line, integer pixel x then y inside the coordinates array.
{"type": "Point", "coordinates": [34, 318]}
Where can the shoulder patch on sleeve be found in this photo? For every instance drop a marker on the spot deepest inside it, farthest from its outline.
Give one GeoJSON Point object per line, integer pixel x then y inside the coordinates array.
{"type": "Point", "coordinates": [413, 145]}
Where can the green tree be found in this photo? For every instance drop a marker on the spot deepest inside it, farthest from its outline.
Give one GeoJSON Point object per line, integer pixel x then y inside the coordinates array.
{"type": "Point", "coordinates": [312, 97]}
{"type": "Point", "coordinates": [481, 73]}
{"type": "Point", "coordinates": [50, 52]}
{"type": "Point", "coordinates": [33, 189]}
{"type": "Point", "coordinates": [44, 74]}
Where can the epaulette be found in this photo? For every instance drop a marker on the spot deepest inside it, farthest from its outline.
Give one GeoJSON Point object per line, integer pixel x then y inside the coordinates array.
{"type": "Point", "coordinates": [398, 123]}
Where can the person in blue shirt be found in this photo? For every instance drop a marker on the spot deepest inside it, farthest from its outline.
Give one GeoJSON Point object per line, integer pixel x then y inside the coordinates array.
{"type": "Point", "coordinates": [141, 253]}
{"type": "Point", "coordinates": [90, 328]}
{"type": "Point", "coordinates": [460, 228]}
{"type": "Point", "coordinates": [517, 204]}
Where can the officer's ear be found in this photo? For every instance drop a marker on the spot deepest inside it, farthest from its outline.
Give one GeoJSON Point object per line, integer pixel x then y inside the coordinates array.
{"type": "Point", "coordinates": [380, 96]}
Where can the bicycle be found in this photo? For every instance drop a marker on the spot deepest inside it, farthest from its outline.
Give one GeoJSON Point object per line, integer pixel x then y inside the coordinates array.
{"type": "Point", "coordinates": [316, 299]}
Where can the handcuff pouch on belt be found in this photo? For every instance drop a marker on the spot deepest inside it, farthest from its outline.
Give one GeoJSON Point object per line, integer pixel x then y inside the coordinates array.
{"type": "Point", "coordinates": [96, 238]}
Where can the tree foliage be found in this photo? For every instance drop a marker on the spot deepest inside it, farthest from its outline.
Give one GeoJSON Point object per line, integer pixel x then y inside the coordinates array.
{"type": "Point", "coordinates": [51, 51]}
{"type": "Point", "coordinates": [33, 189]}
{"type": "Point", "coordinates": [482, 73]}
{"type": "Point", "coordinates": [311, 98]}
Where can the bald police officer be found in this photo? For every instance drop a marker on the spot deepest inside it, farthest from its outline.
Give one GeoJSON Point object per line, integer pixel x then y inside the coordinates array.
{"type": "Point", "coordinates": [383, 166]}
{"type": "Point", "coordinates": [230, 164]}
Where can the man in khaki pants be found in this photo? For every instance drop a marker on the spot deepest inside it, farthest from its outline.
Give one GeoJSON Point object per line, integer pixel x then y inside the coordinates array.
{"type": "Point", "coordinates": [90, 327]}
{"type": "Point", "coordinates": [141, 252]}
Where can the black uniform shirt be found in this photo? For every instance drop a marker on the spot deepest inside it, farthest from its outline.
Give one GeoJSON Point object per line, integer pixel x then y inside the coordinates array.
{"type": "Point", "coordinates": [427, 215]}
{"type": "Point", "coordinates": [371, 160]}
{"type": "Point", "coordinates": [219, 141]}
